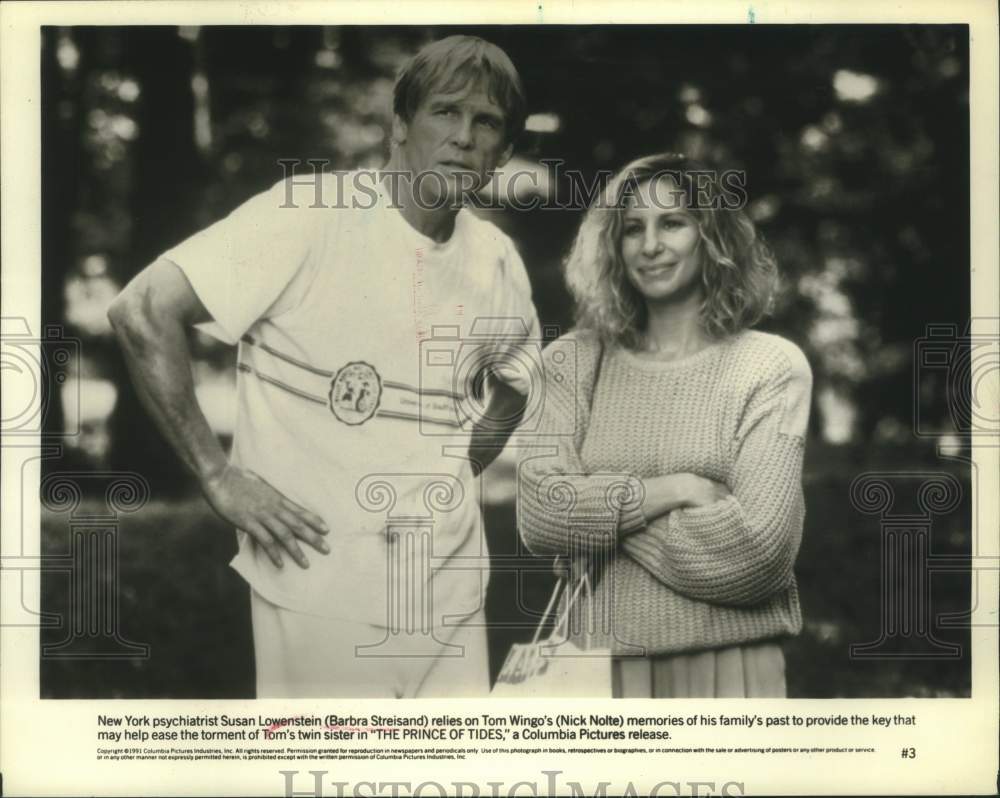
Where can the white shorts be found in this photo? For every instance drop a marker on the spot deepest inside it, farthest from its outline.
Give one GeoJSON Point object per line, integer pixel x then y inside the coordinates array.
{"type": "Point", "coordinates": [312, 656]}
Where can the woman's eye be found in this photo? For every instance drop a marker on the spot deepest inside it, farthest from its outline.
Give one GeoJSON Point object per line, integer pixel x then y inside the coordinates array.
{"type": "Point", "coordinates": [633, 230]}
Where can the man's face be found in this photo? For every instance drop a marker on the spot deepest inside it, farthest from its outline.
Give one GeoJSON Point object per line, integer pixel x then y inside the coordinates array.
{"type": "Point", "coordinates": [455, 140]}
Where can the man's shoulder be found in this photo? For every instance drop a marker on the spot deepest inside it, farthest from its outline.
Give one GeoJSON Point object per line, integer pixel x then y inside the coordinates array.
{"type": "Point", "coordinates": [491, 250]}
{"type": "Point", "coordinates": [485, 236]}
{"type": "Point", "coordinates": [339, 190]}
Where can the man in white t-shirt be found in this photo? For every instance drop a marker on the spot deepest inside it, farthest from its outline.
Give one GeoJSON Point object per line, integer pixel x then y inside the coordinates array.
{"type": "Point", "coordinates": [367, 308]}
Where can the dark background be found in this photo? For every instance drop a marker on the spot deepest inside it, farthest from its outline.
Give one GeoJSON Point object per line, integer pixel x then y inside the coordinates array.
{"type": "Point", "coordinates": [855, 143]}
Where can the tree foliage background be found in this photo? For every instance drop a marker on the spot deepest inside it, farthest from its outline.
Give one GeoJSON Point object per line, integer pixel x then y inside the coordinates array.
{"type": "Point", "coordinates": [855, 141]}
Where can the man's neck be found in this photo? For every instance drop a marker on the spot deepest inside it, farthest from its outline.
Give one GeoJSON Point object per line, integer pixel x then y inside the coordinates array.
{"type": "Point", "coordinates": [436, 223]}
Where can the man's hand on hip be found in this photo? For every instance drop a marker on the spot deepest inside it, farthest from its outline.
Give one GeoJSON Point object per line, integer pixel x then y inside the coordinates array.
{"type": "Point", "coordinates": [273, 520]}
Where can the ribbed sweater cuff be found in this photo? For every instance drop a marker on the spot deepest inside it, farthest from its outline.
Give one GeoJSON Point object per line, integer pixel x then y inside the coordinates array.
{"type": "Point", "coordinates": [719, 518]}
{"type": "Point", "coordinates": [632, 519]}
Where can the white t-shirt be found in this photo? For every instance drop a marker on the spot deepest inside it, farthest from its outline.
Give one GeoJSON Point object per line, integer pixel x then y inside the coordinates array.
{"type": "Point", "coordinates": [356, 338]}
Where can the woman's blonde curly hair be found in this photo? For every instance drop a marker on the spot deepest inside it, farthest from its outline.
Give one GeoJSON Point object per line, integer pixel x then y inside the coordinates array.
{"type": "Point", "coordinates": [739, 274]}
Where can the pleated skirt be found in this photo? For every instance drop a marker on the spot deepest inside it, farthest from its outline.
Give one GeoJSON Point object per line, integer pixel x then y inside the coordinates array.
{"type": "Point", "coordinates": [749, 671]}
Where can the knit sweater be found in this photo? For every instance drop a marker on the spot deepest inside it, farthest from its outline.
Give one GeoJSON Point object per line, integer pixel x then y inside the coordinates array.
{"type": "Point", "coordinates": [695, 578]}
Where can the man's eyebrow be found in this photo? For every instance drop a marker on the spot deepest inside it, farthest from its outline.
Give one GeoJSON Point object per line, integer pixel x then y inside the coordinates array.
{"type": "Point", "coordinates": [455, 99]}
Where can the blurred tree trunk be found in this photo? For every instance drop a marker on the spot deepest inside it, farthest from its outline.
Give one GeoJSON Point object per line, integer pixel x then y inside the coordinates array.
{"type": "Point", "coordinates": [168, 175]}
{"type": "Point", "coordinates": [60, 168]}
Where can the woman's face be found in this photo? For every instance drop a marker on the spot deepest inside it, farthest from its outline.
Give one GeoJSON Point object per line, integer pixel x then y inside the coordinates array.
{"type": "Point", "coordinates": [659, 242]}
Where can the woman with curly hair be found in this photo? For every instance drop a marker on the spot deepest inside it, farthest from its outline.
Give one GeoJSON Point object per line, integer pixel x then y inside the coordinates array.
{"type": "Point", "coordinates": [682, 480]}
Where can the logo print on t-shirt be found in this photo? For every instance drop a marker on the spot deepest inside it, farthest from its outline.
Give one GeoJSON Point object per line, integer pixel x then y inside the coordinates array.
{"type": "Point", "coordinates": [355, 392]}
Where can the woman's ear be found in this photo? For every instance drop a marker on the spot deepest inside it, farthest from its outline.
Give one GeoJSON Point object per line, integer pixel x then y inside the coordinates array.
{"type": "Point", "coordinates": [398, 130]}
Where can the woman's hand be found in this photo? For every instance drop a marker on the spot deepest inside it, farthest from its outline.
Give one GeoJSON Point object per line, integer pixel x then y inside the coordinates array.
{"type": "Point", "coordinates": [701, 491]}
{"type": "Point", "coordinates": [676, 491]}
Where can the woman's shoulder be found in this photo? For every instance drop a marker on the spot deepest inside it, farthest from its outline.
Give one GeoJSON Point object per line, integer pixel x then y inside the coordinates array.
{"type": "Point", "coordinates": [581, 334]}
{"type": "Point", "coordinates": [767, 371]}
{"type": "Point", "coordinates": [578, 350]}
{"type": "Point", "coordinates": [771, 368]}
{"type": "Point", "coordinates": [578, 339]}
{"type": "Point", "coordinates": [771, 356]}
{"type": "Point", "coordinates": [758, 363]}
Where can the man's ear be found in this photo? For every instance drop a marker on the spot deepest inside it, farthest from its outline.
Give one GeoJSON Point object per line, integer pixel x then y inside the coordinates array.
{"type": "Point", "coordinates": [399, 128]}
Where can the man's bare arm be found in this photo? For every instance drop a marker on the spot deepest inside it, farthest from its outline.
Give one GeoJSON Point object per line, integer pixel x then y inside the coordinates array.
{"type": "Point", "coordinates": [503, 414]}
{"type": "Point", "coordinates": [150, 318]}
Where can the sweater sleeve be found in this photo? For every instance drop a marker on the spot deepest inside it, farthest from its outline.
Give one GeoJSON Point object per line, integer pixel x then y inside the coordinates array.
{"type": "Point", "coordinates": [741, 550]}
{"type": "Point", "coordinates": [561, 508]}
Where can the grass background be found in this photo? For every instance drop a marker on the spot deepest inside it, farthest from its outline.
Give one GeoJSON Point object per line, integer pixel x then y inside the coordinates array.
{"type": "Point", "coordinates": [177, 594]}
